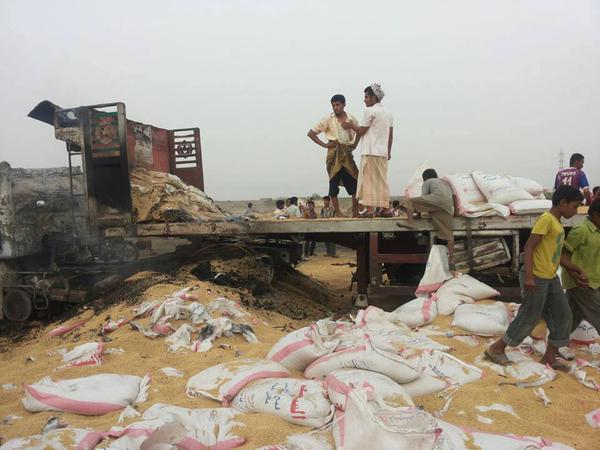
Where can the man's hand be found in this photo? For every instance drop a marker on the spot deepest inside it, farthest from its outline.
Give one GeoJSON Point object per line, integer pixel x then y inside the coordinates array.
{"type": "Point", "coordinates": [530, 284]}
{"type": "Point", "coordinates": [580, 278]}
{"type": "Point", "coordinates": [389, 156]}
{"type": "Point", "coordinates": [331, 144]}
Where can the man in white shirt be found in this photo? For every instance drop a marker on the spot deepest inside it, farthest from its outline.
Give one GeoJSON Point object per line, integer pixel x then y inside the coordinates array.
{"type": "Point", "coordinates": [340, 143]}
{"type": "Point", "coordinates": [293, 210]}
{"type": "Point", "coordinates": [377, 133]}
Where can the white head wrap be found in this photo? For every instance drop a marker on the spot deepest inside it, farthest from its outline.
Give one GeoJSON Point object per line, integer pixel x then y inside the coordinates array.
{"type": "Point", "coordinates": [376, 87]}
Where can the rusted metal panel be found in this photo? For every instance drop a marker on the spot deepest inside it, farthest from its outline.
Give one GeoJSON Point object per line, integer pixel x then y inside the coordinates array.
{"type": "Point", "coordinates": [160, 149]}
{"type": "Point", "coordinates": [186, 156]}
{"type": "Point", "coordinates": [139, 145]}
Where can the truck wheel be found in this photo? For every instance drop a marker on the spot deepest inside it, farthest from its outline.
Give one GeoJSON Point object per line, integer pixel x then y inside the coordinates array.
{"type": "Point", "coordinates": [17, 305]}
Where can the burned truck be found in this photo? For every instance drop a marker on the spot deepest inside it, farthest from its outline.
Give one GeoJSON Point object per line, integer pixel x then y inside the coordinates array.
{"type": "Point", "coordinates": [59, 224]}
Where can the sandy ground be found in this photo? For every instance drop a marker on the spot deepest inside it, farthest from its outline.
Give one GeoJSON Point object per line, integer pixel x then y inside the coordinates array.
{"type": "Point", "coordinates": [563, 421]}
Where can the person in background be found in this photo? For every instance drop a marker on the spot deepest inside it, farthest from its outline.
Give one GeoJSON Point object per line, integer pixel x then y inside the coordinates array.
{"type": "Point", "coordinates": [582, 248]}
{"type": "Point", "coordinates": [340, 143]}
{"type": "Point", "coordinates": [328, 212]}
{"type": "Point", "coordinates": [376, 134]}
{"type": "Point", "coordinates": [280, 213]}
{"type": "Point", "coordinates": [596, 193]}
{"type": "Point", "coordinates": [543, 295]}
{"type": "Point", "coordinates": [249, 211]}
{"type": "Point", "coordinates": [436, 199]}
{"type": "Point", "coordinates": [574, 176]}
{"type": "Point", "coordinates": [309, 213]}
{"type": "Point", "coordinates": [293, 210]}
{"type": "Point", "coordinates": [396, 208]}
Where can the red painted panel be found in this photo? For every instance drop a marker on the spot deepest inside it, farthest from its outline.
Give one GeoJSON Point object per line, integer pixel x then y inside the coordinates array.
{"type": "Point", "coordinates": [160, 149]}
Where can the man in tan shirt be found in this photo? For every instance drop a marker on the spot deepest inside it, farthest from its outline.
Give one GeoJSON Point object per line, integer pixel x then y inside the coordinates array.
{"type": "Point", "coordinates": [340, 143]}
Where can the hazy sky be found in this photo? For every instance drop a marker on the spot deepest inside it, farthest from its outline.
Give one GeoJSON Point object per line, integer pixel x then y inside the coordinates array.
{"type": "Point", "coordinates": [496, 86]}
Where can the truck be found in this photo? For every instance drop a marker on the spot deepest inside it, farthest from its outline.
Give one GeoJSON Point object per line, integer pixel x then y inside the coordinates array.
{"type": "Point", "coordinates": [65, 232]}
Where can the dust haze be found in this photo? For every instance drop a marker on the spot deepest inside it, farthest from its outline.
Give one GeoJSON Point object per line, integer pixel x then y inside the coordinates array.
{"type": "Point", "coordinates": [498, 86]}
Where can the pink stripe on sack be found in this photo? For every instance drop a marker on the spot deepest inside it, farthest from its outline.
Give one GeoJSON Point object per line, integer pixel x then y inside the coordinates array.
{"type": "Point", "coordinates": [233, 391]}
{"type": "Point", "coordinates": [427, 307]}
{"type": "Point", "coordinates": [229, 443]}
{"type": "Point", "coordinates": [340, 419]}
{"type": "Point", "coordinates": [582, 342]}
{"type": "Point", "coordinates": [90, 441]}
{"type": "Point", "coordinates": [356, 349]}
{"type": "Point", "coordinates": [289, 349]}
{"type": "Point", "coordinates": [74, 406]}
{"type": "Point", "coordinates": [134, 432]}
{"type": "Point", "coordinates": [596, 416]}
{"type": "Point", "coordinates": [428, 288]}
{"type": "Point", "coordinates": [64, 329]}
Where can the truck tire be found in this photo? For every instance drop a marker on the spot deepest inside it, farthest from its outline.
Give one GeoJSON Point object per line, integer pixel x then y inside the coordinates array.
{"type": "Point", "coordinates": [16, 305]}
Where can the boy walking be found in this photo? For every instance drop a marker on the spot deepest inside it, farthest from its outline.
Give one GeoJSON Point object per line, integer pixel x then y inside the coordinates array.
{"type": "Point", "coordinates": [582, 248]}
{"type": "Point", "coordinates": [542, 292]}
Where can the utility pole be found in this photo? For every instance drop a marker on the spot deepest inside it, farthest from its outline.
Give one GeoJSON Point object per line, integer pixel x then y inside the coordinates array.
{"type": "Point", "coordinates": [561, 159]}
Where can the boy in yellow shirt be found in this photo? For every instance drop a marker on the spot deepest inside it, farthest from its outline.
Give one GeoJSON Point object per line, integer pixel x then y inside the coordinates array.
{"type": "Point", "coordinates": [543, 296]}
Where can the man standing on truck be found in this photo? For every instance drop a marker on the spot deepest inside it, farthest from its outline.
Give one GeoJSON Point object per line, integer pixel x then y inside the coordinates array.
{"type": "Point", "coordinates": [340, 143]}
{"type": "Point", "coordinates": [574, 176]}
{"type": "Point", "coordinates": [376, 134]}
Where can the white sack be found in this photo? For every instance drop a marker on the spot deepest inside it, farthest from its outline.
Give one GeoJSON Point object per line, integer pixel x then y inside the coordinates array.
{"type": "Point", "coordinates": [499, 188]}
{"type": "Point", "coordinates": [301, 347]}
{"type": "Point", "coordinates": [584, 334]}
{"type": "Point", "coordinates": [304, 441]}
{"type": "Point", "coordinates": [222, 382]}
{"type": "Point", "coordinates": [436, 271]}
{"type": "Point", "coordinates": [531, 186]}
{"type": "Point", "coordinates": [167, 426]}
{"type": "Point", "coordinates": [301, 402]}
{"type": "Point", "coordinates": [462, 289]}
{"type": "Point", "coordinates": [480, 319]}
{"type": "Point", "coordinates": [453, 437]}
{"type": "Point", "coordinates": [61, 439]}
{"type": "Point", "coordinates": [441, 372]}
{"type": "Point", "coordinates": [368, 425]}
{"type": "Point", "coordinates": [90, 396]}
{"type": "Point", "coordinates": [373, 318]}
{"type": "Point", "coordinates": [89, 354]}
{"type": "Point", "coordinates": [464, 188]}
{"type": "Point", "coordinates": [402, 367]}
{"type": "Point", "coordinates": [523, 207]}
{"type": "Point", "coordinates": [377, 386]}
{"type": "Point", "coordinates": [417, 312]}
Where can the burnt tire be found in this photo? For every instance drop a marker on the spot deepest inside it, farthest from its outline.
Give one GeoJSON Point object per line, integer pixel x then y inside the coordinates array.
{"type": "Point", "coordinates": [17, 305]}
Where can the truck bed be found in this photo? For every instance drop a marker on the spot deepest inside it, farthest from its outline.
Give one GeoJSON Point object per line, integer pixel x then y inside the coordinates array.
{"type": "Point", "coordinates": [342, 225]}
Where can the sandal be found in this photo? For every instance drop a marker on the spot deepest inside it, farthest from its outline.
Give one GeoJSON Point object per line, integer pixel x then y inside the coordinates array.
{"type": "Point", "coordinates": [557, 364]}
{"type": "Point", "coordinates": [497, 358]}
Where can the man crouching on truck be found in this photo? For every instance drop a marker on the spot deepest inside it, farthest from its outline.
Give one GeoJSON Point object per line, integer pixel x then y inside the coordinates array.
{"type": "Point", "coordinates": [436, 199]}
{"type": "Point", "coordinates": [542, 292]}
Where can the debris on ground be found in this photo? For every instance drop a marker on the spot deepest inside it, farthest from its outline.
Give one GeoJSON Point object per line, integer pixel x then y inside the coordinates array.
{"type": "Point", "coordinates": [370, 379]}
